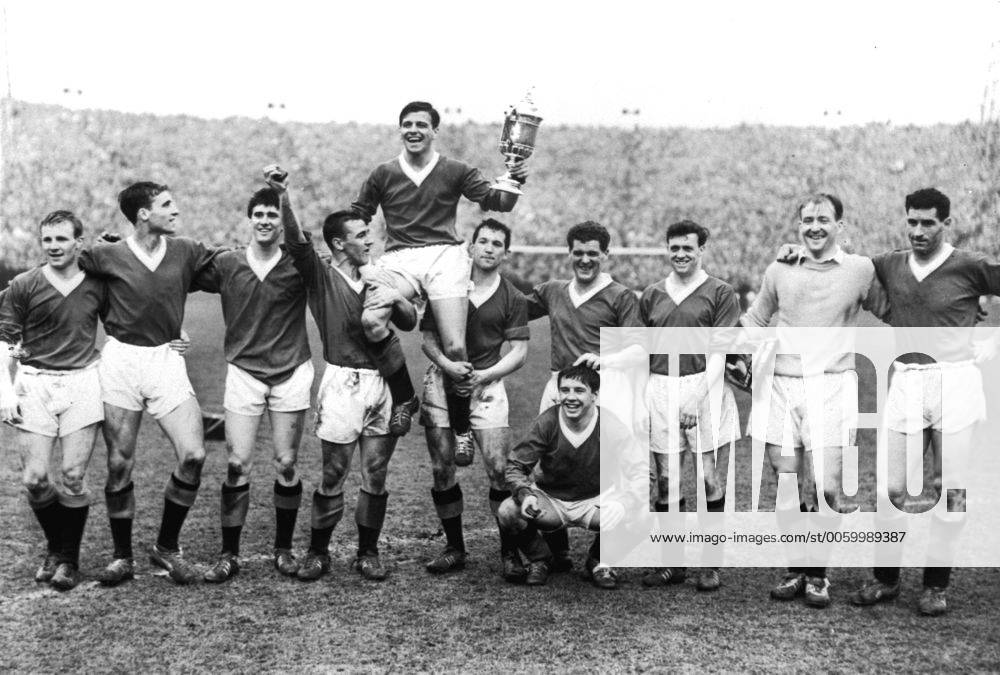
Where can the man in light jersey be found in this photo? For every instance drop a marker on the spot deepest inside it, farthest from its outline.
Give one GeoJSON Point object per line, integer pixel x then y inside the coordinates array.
{"type": "Point", "coordinates": [269, 368]}
{"type": "Point", "coordinates": [708, 419]}
{"type": "Point", "coordinates": [825, 288]}
{"type": "Point", "coordinates": [353, 402]}
{"type": "Point", "coordinates": [51, 312]}
{"type": "Point", "coordinates": [577, 309]}
{"type": "Point", "coordinates": [497, 314]}
{"type": "Point", "coordinates": [938, 404]}
{"type": "Point", "coordinates": [419, 193]}
{"type": "Point", "coordinates": [148, 275]}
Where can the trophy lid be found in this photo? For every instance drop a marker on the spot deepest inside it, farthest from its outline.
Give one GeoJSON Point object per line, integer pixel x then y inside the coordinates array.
{"type": "Point", "coordinates": [527, 104]}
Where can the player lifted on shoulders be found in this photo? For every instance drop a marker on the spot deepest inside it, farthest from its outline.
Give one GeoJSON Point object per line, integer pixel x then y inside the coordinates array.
{"type": "Point", "coordinates": [577, 309]}
{"type": "Point", "coordinates": [52, 312]}
{"type": "Point", "coordinates": [148, 275]}
{"type": "Point", "coordinates": [269, 368]}
{"type": "Point", "coordinates": [826, 288]}
{"type": "Point", "coordinates": [353, 403]}
{"type": "Point", "coordinates": [689, 297]}
{"type": "Point", "coordinates": [419, 193]}
{"type": "Point", "coordinates": [497, 314]}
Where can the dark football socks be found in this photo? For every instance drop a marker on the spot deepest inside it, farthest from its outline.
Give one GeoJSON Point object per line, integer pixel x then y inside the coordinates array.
{"type": "Point", "coordinates": [121, 512]}
{"type": "Point", "coordinates": [400, 386]}
{"type": "Point", "coordinates": [48, 511]}
{"type": "Point", "coordinates": [459, 411]}
{"type": "Point", "coordinates": [369, 516]}
{"type": "Point", "coordinates": [449, 506]}
{"type": "Point", "coordinates": [287, 500]}
{"type": "Point", "coordinates": [558, 542]}
{"type": "Point", "coordinates": [327, 510]}
{"type": "Point", "coordinates": [507, 540]}
{"type": "Point", "coordinates": [235, 504]}
{"type": "Point", "coordinates": [74, 522]}
{"type": "Point", "coordinates": [178, 498]}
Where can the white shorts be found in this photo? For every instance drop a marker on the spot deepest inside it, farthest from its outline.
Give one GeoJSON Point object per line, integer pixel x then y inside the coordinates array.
{"type": "Point", "coordinates": [246, 395]}
{"type": "Point", "coordinates": [154, 379]}
{"type": "Point", "coordinates": [717, 416]}
{"type": "Point", "coordinates": [56, 403]}
{"type": "Point", "coordinates": [825, 418]}
{"type": "Point", "coordinates": [574, 514]}
{"type": "Point", "coordinates": [942, 396]}
{"type": "Point", "coordinates": [617, 394]}
{"type": "Point", "coordinates": [441, 271]}
{"type": "Point", "coordinates": [489, 408]}
{"type": "Point", "coordinates": [352, 402]}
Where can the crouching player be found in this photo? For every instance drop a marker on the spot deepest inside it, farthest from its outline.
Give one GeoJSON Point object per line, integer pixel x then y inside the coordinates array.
{"type": "Point", "coordinates": [497, 313]}
{"type": "Point", "coordinates": [354, 404]}
{"type": "Point", "coordinates": [565, 443]}
{"type": "Point", "coordinates": [52, 312]}
{"type": "Point", "coordinates": [269, 367]}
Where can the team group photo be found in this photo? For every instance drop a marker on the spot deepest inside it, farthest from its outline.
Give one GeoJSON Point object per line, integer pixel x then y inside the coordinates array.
{"type": "Point", "coordinates": [281, 394]}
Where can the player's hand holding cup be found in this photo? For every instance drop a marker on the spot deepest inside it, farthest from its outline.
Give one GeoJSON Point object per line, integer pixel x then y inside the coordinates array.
{"type": "Point", "coordinates": [276, 177]}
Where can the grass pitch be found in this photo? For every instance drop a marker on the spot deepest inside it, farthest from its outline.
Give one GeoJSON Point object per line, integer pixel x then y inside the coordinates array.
{"type": "Point", "coordinates": [470, 621]}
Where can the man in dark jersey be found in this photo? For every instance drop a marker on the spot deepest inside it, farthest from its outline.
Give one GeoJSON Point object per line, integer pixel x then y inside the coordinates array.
{"type": "Point", "coordinates": [707, 419]}
{"type": "Point", "coordinates": [564, 443]}
{"type": "Point", "coordinates": [52, 312]}
{"type": "Point", "coordinates": [497, 314]}
{"type": "Point", "coordinates": [269, 367]}
{"type": "Point", "coordinates": [938, 401]}
{"type": "Point", "coordinates": [419, 193]}
{"type": "Point", "coordinates": [353, 402]}
{"type": "Point", "coordinates": [577, 309]}
{"type": "Point", "coordinates": [148, 275]}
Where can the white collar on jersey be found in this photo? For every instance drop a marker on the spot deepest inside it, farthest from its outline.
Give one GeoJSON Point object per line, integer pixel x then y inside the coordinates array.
{"type": "Point", "coordinates": [64, 286]}
{"type": "Point", "coordinates": [150, 261]}
{"type": "Point", "coordinates": [679, 292]}
{"type": "Point", "coordinates": [837, 256]}
{"type": "Point", "coordinates": [577, 298]}
{"type": "Point", "coordinates": [922, 270]}
{"type": "Point", "coordinates": [261, 268]}
{"type": "Point", "coordinates": [477, 297]}
{"type": "Point", "coordinates": [357, 284]}
{"type": "Point", "coordinates": [413, 174]}
{"type": "Point", "coordinates": [577, 438]}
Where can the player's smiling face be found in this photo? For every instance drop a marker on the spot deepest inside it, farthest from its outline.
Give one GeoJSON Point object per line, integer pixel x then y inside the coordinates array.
{"type": "Point", "coordinates": [417, 132]}
{"type": "Point", "coordinates": [818, 228]}
{"type": "Point", "coordinates": [685, 254]}
{"type": "Point", "coordinates": [576, 398]}
{"type": "Point", "coordinates": [161, 216]}
{"type": "Point", "coordinates": [357, 241]}
{"type": "Point", "coordinates": [488, 250]}
{"type": "Point", "coordinates": [587, 259]}
{"type": "Point", "coordinates": [266, 224]}
{"type": "Point", "coordinates": [59, 244]}
{"type": "Point", "coordinates": [925, 231]}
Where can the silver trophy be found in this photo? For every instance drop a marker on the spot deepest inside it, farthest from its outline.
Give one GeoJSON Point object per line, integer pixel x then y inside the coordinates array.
{"type": "Point", "coordinates": [517, 140]}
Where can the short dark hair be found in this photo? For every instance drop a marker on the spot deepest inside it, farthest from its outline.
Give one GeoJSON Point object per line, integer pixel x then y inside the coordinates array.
{"type": "Point", "coordinates": [264, 197]}
{"type": "Point", "coordinates": [493, 224]}
{"type": "Point", "coordinates": [57, 217]}
{"type": "Point", "coordinates": [819, 198]}
{"type": "Point", "coordinates": [686, 227]}
{"type": "Point", "coordinates": [138, 196]}
{"type": "Point", "coordinates": [930, 198]}
{"type": "Point", "coordinates": [589, 230]}
{"type": "Point", "coordinates": [333, 224]}
{"type": "Point", "coordinates": [420, 106]}
{"type": "Point", "coordinates": [581, 373]}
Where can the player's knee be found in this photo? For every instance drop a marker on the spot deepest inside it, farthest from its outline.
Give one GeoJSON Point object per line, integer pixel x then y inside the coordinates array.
{"type": "Point", "coordinates": [119, 467]}
{"type": "Point", "coordinates": [285, 468]}
{"type": "Point", "coordinates": [443, 475]}
{"type": "Point", "coordinates": [192, 460]}
{"type": "Point", "coordinates": [374, 482]}
{"type": "Point", "coordinates": [237, 469]}
{"type": "Point", "coordinates": [34, 480]}
{"type": "Point", "coordinates": [72, 480]}
{"type": "Point", "coordinates": [509, 515]}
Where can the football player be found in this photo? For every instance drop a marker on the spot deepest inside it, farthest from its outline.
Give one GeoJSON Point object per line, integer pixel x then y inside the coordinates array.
{"type": "Point", "coordinates": [497, 314]}
{"type": "Point", "coordinates": [689, 297]}
{"type": "Point", "coordinates": [419, 193]}
{"type": "Point", "coordinates": [577, 309]}
{"type": "Point", "coordinates": [269, 368]}
{"type": "Point", "coordinates": [353, 402]}
{"type": "Point", "coordinates": [51, 312]}
{"type": "Point", "coordinates": [148, 275]}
